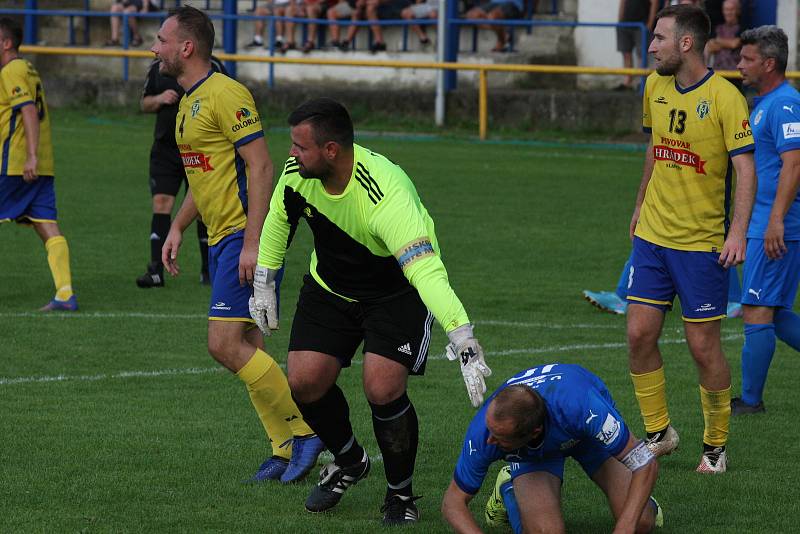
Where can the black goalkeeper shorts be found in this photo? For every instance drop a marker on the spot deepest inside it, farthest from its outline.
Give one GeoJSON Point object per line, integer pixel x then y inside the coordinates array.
{"type": "Point", "coordinates": [166, 170]}
{"type": "Point", "coordinates": [398, 328]}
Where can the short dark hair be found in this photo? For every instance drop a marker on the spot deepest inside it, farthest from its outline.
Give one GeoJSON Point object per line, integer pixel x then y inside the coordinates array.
{"type": "Point", "coordinates": [194, 24]}
{"type": "Point", "coordinates": [689, 19]}
{"type": "Point", "coordinates": [329, 121]}
{"type": "Point", "coordinates": [522, 405]}
{"type": "Point", "coordinates": [11, 29]}
{"type": "Point", "coordinates": [771, 42]}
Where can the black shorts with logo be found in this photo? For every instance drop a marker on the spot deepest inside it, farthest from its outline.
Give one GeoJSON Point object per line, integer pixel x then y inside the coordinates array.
{"type": "Point", "coordinates": [397, 328]}
{"type": "Point", "coordinates": [166, 170]}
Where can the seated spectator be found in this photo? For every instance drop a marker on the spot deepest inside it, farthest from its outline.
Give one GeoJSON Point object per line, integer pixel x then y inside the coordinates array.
{"type": "Point", "coordinates": [497, 10]}
{"type": "Point", "coordinates": [311, 9]}
{"type": "Point", "coordinates": [423, 9]}
{"type": "Point", "coordinates": [722, 52]}
{"type": "Point", "coordinates": [128, 6]}
{"type": "Point", "coordinates": [386, 10]}
{"type": "Point", "coordinates": [344, 9]}
{"type": "Point", "coordinates": [277, 8]}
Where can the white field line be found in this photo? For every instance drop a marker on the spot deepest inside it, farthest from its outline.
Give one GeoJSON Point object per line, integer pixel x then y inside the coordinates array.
{"type": "Point", "coordinates": [160, 316]}
{"type": "Point", "coordinates": [207, 370]}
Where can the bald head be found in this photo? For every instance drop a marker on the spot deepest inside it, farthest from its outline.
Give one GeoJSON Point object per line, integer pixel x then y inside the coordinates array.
{"type": "Point", "coordinates": [516, 413]}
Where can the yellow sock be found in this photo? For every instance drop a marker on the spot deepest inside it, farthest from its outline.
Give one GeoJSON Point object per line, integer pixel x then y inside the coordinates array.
{"type": "Point", "coordinates": [716, 415]}
{"type": "Point", "coordinates": [58, 259]}
{"type": "Point", "coordinates": [651, 392]}
{"type": "Point", "coordinates": [270, 395]}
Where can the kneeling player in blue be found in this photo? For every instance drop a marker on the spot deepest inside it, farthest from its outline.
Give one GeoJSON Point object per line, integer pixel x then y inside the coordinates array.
{"type": "Point", "coordinates": [535, 420]}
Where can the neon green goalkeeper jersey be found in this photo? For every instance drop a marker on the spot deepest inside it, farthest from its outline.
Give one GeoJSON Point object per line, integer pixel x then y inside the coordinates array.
{"type": "Point", "coordinates": [374, 241]}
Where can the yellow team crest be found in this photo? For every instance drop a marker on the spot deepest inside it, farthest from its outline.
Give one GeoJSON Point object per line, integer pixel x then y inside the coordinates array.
{"type": "Point", "coordinates": [195, 108]}
{"type": "Point", "coordinates": [703, 108]}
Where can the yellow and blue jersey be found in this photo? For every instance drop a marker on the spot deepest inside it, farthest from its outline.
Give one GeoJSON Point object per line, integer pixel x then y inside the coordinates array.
{"type": "Point", "coordinates": [695, 132]}
{"type": "Point", "coordinates": [373, 241]}
{"type": "Point", "coordinates": [20, 86]}
{"type": "Point", "coordinates": [215, 118]}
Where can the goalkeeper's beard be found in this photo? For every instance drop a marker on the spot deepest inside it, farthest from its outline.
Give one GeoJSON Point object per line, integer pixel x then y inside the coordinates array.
{"type": "Point", "coordinates": [323, 172]}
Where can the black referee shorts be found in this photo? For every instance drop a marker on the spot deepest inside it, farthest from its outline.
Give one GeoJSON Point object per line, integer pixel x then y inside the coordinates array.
{"type": "Point", "coordinates": [398, 328]}
{"type": "Point", "coordinates": [166, 170]}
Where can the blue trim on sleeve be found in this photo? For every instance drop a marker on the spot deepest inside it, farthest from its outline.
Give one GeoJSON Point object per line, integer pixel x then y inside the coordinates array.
{"type": "Point", "coordinates": [463, 487]}
{"type": "Point", "coordinates": [622, 442]}
{"type": "Point", "coordinates": [22, 105]}
{"type": "Point", "coordinates": [789, 148]}
{"type": "Point", "coordinates": [246, 139]}
{"type": "Point", "coordinates": [749, 148]}
{"type": "Point", "coordinates": [647, 130]}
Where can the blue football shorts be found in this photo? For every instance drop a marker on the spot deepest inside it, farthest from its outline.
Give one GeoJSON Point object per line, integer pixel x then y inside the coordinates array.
{"type": "Point", "coordinates": [767, 282]}
{"type": "Point", "coordinates": [588, 453]}
{"type": "Point", "coordinates": [25, 202]}
{"type": "Point", "coordinates": [229, 300]}
{"type": "Point", "coordinates": [659, 273]}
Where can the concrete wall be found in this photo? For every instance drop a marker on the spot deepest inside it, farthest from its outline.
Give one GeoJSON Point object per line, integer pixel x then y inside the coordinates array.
{"type": "Point", "coordinates": [597, 47]}
{"type": "Point", "coordinates": [527, 110]}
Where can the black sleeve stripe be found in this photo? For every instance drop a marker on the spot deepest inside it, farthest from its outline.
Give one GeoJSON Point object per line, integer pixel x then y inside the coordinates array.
{"type": "Point", "coordinates": [367, 183]}
{"type": "Point", "coordinates": [371, 179]}
{"type": "Point", "coordinates": [372, 195]}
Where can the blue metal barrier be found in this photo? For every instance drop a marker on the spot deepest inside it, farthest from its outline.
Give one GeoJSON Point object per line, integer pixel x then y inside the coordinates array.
{"type": "Point", "coordinates": [230, 18]}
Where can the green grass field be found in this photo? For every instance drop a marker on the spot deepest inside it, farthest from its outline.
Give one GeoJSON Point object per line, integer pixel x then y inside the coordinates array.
{"type": "Point", "coordinates": [115, 419]}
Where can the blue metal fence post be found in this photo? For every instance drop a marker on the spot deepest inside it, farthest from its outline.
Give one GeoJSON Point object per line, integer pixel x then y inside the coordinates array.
{"type": "Point", "coordinates": [451, 45]}
{"type": "Point", "coordinates": [31, 24]}
{"type": "Point", "coordinates": [229, 33]}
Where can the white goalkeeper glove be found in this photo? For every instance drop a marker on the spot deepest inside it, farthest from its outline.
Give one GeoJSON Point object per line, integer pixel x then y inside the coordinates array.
{"type": "Point", "coordinates": [464, 347]}
{"type": "Point", "coordinates": [264, 303]}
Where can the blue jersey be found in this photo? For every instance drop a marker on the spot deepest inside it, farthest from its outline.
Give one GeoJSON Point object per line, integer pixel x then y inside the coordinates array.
{"type": "Point", "coordinates": [579, 410]}
{"type": "Point", "coordinates": [776, 129]}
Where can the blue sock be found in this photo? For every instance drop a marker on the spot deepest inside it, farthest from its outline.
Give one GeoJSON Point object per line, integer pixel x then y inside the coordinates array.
{"type": "Point", "coordinates": [787, 327]}
{"type": "Point", "coordinates": [734, 286]}
{"type": "Point", "coordinates": [759, 347]}
{"type": "Point", "coordinates": [510, 502]}
{"type": "Point", "coordinates": [622, 283]}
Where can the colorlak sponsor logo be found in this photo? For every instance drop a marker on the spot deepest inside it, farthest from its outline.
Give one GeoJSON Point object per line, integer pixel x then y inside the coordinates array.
{"type": "Point", "coordinates": [245, 118]}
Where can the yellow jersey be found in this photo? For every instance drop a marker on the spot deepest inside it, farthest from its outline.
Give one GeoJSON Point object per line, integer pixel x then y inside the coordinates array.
{"type": "Point", "coordinates": [20, 86]}
{"type": "Point", "coordinates": [215, 118]}
{"type": "Point", "coordinates": [695, 132]}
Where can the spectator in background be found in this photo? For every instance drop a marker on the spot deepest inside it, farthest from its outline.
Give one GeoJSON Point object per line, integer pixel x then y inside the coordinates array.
{"type": "Point", "coordinates": [386, 10]}
{"type": "Point", "coordinates": [128, 6]}
{"type": "Point", "coordinates": [629, 39]}
{"type": "Point", "coordinates": [422, 9]}
{"type": "Point", "coordinates": [722, 52]}
{"type": "Point", "coordinates": [352, 9]}
{"type": "Point", "coordinates": [277, 8]}
{"type": "Point", "coordinates": [497, 10]}
{"type": "Point", "coordinates": [311, 9]}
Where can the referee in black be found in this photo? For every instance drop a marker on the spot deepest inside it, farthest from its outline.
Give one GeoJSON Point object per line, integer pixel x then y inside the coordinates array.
{"type": "Point", "coordinates": [161, 95]}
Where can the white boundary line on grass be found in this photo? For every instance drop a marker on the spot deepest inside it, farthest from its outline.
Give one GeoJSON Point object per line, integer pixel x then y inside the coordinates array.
{"type": "Point", "coordinates": [208, 370]}
{"type": "Point", "coordinates": [154, 316]}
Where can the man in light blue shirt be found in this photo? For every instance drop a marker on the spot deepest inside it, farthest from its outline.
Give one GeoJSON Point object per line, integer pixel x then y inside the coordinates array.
{"type": "Point", "coordinates": [772, 267]}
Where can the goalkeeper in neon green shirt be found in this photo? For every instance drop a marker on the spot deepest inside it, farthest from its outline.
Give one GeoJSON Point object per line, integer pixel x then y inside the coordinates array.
{"type": "Point", "coordinates": [376, 277]}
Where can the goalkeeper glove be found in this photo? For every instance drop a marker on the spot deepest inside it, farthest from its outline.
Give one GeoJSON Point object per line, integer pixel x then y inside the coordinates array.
{"type": "Point", "coordinates": [264, 302]}
{"type": "Point", "coordinates": [464, 347]}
